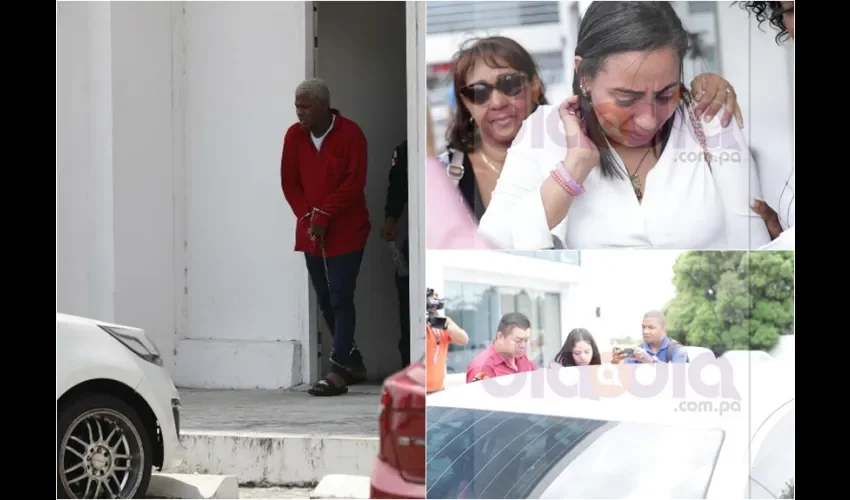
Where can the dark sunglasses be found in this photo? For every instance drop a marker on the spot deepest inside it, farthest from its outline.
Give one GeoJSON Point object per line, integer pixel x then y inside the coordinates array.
{"type": "Point", "coordinates": [509, 84]}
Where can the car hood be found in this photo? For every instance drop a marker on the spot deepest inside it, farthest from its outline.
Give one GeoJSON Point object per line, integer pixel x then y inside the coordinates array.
{"type": "Point", "coordinates": [70, 319]}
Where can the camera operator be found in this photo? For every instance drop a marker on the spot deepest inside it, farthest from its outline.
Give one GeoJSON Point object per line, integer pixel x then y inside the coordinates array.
{"type": "Point", "coordinates": [440, 331]}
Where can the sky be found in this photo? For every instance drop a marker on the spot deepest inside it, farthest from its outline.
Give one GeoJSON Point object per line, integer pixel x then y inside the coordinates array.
{"type": "Point", "coordinates": [625, 284]}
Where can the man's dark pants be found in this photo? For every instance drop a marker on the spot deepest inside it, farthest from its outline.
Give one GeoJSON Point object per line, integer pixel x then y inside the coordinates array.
{"type": "Point", "coordinates": [335, 293]}
{"type": "Point", "coordinates": [402, 285]}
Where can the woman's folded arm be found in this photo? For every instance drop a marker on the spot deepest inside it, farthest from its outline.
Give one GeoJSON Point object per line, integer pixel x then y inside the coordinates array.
{"type": "Point", "coordinates": [736, 176]}
{"type": "Point", "coordinates": [515, 217]}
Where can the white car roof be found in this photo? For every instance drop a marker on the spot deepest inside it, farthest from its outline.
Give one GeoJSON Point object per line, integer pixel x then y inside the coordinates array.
{"type": "Point", "coordinates": [761, 390]}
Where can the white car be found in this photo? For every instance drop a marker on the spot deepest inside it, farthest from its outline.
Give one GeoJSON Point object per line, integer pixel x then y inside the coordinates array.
{"type": "Point", "coordinates": [117, 410]}
{"type": "Point", "coordinates": [742, 356]}
{"type": "Point", "coordinates": [519, 436]}
{"type": "Point", "coordinates": [695, 352]}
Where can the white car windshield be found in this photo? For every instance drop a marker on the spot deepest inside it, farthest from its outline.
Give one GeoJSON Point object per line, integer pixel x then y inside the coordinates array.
{"type": "Point", "coordinates": [487, 454]}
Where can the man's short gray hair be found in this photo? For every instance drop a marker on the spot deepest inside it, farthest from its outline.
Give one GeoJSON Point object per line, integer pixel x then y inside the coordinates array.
{"type": "Point", "coordinates": [314, 87]}
{"type": "Point", "coordinates": [656, 315]}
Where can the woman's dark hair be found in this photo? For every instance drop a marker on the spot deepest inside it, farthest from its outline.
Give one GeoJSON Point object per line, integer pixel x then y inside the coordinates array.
{"type": "Point", "coordinates": [610, 28]}
{"type": "Point", "coordinates": [565, 356]}
{"type": "Point", "coordinates": [770, 12]}
{"type": "Point", "coordinates": [496, 52]}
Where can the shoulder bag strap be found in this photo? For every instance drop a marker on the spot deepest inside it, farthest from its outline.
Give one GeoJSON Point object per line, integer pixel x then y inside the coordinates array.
{"type": "Point", "coordinates": [455, 168]}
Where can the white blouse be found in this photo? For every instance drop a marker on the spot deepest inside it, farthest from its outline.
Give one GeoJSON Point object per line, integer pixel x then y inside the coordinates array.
{"type": "Point", "coordinates": [784, 241]}
{"type": "Point", "coordinates": [787, 206]}
{"type": "Point", "coordinates": [786, 210]}
{"type": "Point", "coordinates": [685, 205]}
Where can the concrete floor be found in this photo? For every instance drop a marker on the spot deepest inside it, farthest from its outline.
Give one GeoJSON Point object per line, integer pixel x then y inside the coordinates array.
{"type": "Point", "coordinates": [284, 412]}
{"type": "Point", "coordinates": [275, 493]}
{"type": "Point", "coordinates": [271, 493]}
{"type": "Point", "coordinates": [279, 438]}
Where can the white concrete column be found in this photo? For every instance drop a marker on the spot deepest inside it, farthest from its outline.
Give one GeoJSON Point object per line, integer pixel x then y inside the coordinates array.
{"type": "Point", "coordinates": [144, 169]}
{"type": "Point", "coordinates": [85, 270]}
{"type": "Point", "coordinates": [114, 167]}
{"type": "Point", "coordinates": [248, 308]}
{"type": "Point", "coordinates": [416, 14]}
{"type": "Point", "coordinates": [170, 217]}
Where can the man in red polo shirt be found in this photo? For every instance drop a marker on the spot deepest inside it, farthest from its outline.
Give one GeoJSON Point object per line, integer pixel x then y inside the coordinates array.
{"type": "Point", "coordinates": [506, 354]}
{"type": "Point", "coordinates": [323, 175]}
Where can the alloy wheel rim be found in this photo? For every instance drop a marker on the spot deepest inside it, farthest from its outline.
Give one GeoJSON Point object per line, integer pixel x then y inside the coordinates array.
{"type": "Point", "coordinates": [100, 456]}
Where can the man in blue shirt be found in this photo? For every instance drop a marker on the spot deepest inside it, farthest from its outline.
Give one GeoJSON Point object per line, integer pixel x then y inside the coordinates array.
{"type": "Point", "coordinates": [657, 347]}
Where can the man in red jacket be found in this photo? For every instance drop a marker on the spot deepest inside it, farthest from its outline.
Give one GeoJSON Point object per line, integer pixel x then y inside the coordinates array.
{"type": "Point", "coordinates": [323, 175]}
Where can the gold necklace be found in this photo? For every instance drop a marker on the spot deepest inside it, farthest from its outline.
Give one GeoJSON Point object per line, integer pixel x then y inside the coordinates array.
{"type": "Point", "coordinates": [489, 164]}
{"type": "Point", "coordinates": [635, 180]}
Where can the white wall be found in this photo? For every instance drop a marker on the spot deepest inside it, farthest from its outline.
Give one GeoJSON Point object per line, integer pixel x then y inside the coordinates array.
{"type": "Point", "coordinates": [514, 271]}
{"type": "Point", "coordinates": [536, 38]}
{"type": "Point", "coordinates": [169, 211]}
{"type": "Point", "coordinates": [363, 63]}
{"type": "Point", "coordinates": [114, 165]}
{"type": "Point", "coordinates": [170, 120]}
{"type": "Point", "coordinates": [786, 349]}
{"type": "Point", "coordinates": [85, 276]}
{"type": "Point", "coordinates": [484, 266]}
{"type": "Point", "coordinates": [762, 73]}
{"type": "Point", "coordinates": [625, 284]}
{"type": "Point", "coordinates": [247, 288]}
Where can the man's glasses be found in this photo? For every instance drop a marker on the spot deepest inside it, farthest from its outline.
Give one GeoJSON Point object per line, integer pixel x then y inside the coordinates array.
{"type": "Point", "coordinates": [509, 84]}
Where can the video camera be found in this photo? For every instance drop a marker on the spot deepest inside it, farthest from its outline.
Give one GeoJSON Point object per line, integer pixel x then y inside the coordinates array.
{"type": "Point", "coordinates": [434, 307]}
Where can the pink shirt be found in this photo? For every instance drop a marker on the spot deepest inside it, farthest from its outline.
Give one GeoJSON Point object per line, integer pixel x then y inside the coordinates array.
{"type": "Point", "coordinates": [489, 363]}
{"type": "Point", "coordinates": [448, 222]}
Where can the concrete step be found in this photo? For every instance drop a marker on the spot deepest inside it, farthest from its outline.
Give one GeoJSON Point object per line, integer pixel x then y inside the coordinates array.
{"type": "Point", "coordinates": [342, 486]}
{"type": "Point", "coordinates": [277, 459]}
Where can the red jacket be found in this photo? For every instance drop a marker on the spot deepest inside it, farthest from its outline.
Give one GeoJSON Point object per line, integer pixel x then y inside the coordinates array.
{"type": "Point", "coordinates": [327, 186]}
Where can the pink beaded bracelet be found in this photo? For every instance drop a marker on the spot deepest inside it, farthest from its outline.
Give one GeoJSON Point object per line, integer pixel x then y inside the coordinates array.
{"type": "Point", "coordinates": [561, 182]}
{"type": "Point", "coordinates": [566, 181]}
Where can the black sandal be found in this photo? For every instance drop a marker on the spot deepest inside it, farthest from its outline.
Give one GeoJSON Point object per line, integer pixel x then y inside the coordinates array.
{"type": "Point", "coordinates": [326, 388]}
{"type": "Point", "coordinates": [353, 377]}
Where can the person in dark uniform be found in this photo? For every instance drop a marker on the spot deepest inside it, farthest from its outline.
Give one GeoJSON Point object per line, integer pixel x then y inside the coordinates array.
{"type": "Point", "coordinates": [394, 207]}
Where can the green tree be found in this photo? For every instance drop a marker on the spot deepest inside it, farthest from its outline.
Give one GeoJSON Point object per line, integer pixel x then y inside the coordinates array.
{"type": "Point", "coordinates": [732, 300]}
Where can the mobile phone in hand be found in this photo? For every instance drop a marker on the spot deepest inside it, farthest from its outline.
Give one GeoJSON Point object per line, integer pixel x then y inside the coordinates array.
{"type": "Point", "coordinates": [628, 351]}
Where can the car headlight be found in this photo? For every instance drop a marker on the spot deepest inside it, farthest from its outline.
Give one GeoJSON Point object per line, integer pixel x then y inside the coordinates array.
{"type": "Point", "coordinates": [136, 341]}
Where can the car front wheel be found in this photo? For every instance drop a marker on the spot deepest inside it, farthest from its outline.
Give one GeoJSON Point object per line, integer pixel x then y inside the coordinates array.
{"type": "Point", "coordinates": [104, 450]}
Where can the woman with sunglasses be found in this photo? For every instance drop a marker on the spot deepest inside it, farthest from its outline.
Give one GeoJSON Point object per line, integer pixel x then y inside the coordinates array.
{"type": "Point", "coordinates": [497, 85]}
{"type": "Point", "coordinates": [625, 162]}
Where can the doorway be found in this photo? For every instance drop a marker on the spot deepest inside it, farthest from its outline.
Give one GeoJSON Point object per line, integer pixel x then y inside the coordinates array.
{"type": "Point", "coordinates": [360, 52]}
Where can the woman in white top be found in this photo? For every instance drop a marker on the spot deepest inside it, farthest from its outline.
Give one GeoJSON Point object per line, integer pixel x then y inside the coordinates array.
{"type": "Point", "coordinates": [624, 162]}
{"type": "Point", "coordinates": [781, 217]}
